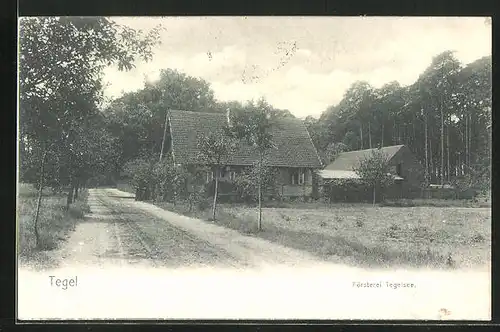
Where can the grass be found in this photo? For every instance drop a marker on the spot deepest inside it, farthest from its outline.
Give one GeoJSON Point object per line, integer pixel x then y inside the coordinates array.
{"type": "Point", "coordinates": [54, 222]}
{"type": "Point", "coordinates": [479, 203]}
{"type": "Point", "coordinates": [363, 235]}
{"type": "Point", "coordinates": [381, 236]}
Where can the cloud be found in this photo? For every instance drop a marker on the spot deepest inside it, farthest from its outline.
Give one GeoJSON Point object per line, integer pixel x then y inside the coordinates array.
{"type": "Point", "coordinates": [221, 65]}
{"type": "Point", "coordinates": [304, 53]}
{"type": "Point", "coordinates": [331, 54]}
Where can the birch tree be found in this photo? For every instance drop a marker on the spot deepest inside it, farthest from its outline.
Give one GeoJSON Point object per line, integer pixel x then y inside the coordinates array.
{"type": "Point", "coordinates": [215, 149]}
{"type": "Point", "coordinates": [254, 126]}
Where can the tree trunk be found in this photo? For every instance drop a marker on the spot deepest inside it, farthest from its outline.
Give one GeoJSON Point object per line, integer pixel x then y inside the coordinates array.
{"type": "Point", "coordinates": [465, 141]}
{"type": "Point", "coordinates": [469, 147]}
{"type": "Point", "coordinates": [448, 150]}
{"type": "Point", "coordinates": [431, 162]}
{"type": "Point", "coordinates": [39, 200]}
{"type": "Point", "coordinates": [77, 188]}
{"type": "Point", "coordinates": [414, 134]}
{"type": "Point", "coordinates": [369, 135]}
{"type": "Point", "coordinates": [441, 175]}
{"type": "Point", "coordinates": [426, 151]}
{"type": "Point", "coordinates": [361, 135]}
{"type": "Point", "coordinates": [216, 189]}
{"type": "Point", "coordinates": [71, 190]}
{"type": "Point", "coordinates": [374, 195]}
{"type": "Point", "coordinates": [394, 132]}
{"type": "Point", "coordinates": [259, 221]}
{"type": "Point", "coordinates": [382, 138]}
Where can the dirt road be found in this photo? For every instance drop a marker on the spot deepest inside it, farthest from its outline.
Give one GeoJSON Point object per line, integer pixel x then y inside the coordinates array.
{"type": "Point", "coordinates": [121, 231]}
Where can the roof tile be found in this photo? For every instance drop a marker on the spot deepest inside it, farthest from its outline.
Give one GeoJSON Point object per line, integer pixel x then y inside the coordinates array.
{"type": "Point", "coordinates": [293, 145]}
{"type": "Point", "coordinates": [349, 160]}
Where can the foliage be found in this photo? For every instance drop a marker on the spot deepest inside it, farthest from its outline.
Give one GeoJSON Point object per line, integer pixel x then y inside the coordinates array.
{"type": "Point", "coordinates": [336, 189]}
{"type": "Point", "coordinates": [247, 182]}
{"type": "Point", "coordinates": [333, 150]}
{"type": "Point", "coordinates": [60, 83]}
{"type": "Point", "coordinates": [373, 171]}
{"type": "Point", "coordinates": [254, 126]}
{"type": "Point", "coordinates": [215, 149]}
{"type": "Point", "coordinates": [170, 179]}
{"type": "Point", "coordinates": [141, 172]}
{"type": "Point", "coordinates": [455, 145]}
{"type": "Point", "coordinates": [137, 118]}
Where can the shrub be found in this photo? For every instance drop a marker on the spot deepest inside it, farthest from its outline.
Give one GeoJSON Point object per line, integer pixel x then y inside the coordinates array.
{"type": "Point", "coordinates": [244, 224]}
{"type": "Point", "coordinates": [246, 183]}
{"type": "Point", "coordinates": [143, 176]}
{"type": "Point", "coordinates": [477, 238]}
{"type": "Point", "coordinates": [398, 203]}
{"type": "Point", "coordinates": [204, 204]}
{"type": "Point", "coordinates": [420, 231]}
{"type": "Point", "coordinates": [393, 231]}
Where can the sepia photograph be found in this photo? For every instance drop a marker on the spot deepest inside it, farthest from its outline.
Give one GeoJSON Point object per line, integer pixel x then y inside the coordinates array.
{"type": "Point", "coordinates": [254, 168]}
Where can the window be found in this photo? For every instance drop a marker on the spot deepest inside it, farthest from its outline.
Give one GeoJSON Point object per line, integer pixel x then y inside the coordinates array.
{"type": "Point", "coordinates": [232, 175]}
{"type": "Point", "coordinates": [222, 172]}
{"type": "Point", "coordinates": [298, 177]}
{"type": "Point", "coordinates": [210, 176]}
{"type": "Point", "coordinates": [399, 169]}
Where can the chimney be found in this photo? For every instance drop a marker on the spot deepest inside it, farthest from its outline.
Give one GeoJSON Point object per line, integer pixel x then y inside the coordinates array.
{"type": "Point", "coordinates": [228, 115]}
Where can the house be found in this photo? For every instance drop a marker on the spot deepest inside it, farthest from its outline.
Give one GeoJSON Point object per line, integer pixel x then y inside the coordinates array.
{"type": "Point", "coordinates": [407, 172]}
{"type": "Point", "coordinates": [293, 154]}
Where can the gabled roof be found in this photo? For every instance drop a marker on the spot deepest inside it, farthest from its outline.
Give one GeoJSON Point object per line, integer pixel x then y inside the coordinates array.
{"type": "Point", "coordinates": [341, 174]}
{"type": "Point", "coordinates": [293, 145]}
{"type": "Point", "coordinates": [347, 161]}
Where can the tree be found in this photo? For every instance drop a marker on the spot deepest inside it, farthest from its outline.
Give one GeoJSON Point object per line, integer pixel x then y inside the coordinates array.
{"type": "Point", "coordinates": [247, 182]}
{"type": "Point", "coordinates": [440, 80]}
{"type": "Point", "coordinates": [215, 149]}
{"type": "Point", "coordinates": [138, 118]}
{"type": "Point", "coordinates": [333, 150]}
{"type": "Point", "coordinates": [444, 118]}
{"type": "Point", "coordinates": [61, 60]}
{"type": "Point", "coordinates": [141, 172]}
{"type": "Point", "coordinates": [254, 126]}
{"type": "Point", "coordinates": [387, 103]}
{"type": "Point", "coordinates": [475, 113]}
{"type": "Point", "coordinates": [92, 152]}
{"type": "Point", "coordinates": [374, 171]}
{"type": "Point", "coordinates": [171, 180]}
{"type": "Point", "coordinates": [61, 65]}
{"type": "Point", "coordinates": [196, 189]}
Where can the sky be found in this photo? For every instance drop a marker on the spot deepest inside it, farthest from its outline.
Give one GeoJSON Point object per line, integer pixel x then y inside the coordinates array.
{"type": "Point", "coordinates": [303, 64]}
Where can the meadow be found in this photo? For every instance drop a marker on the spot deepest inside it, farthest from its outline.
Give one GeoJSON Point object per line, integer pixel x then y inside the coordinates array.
{"type": "Point", "coordinates": [366, 235]}
{"type": "Point", "coordinates": [55, 222]}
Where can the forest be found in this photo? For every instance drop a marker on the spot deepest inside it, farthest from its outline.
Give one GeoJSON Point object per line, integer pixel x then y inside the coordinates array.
{"type": "Point", "coordinates": [444, 117]}
{"type": "Point", "coordinates": [70, 136]}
